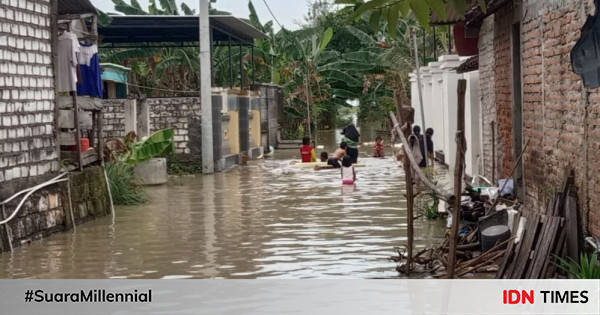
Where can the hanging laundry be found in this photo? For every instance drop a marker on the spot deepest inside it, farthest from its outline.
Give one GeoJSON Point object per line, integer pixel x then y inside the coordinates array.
{"type": "Point", "coordinates": [67, 62]}
{"type": "Point", "coordinates": [91, 75]}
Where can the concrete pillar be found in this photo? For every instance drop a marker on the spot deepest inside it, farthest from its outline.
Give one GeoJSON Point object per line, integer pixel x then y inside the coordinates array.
{"type": "Point", "coordinates": [217, 103]}
{"type": "Point", "coordinates": [438, 121]}
{"type": "Point", "coordinates": [472, 124]}
{"type": "Point", "coordinates": [143, 119]}
{"type": "Point", "coordinates": [205, 90]}
{"type": "Point", "coordinates": [244, 126]}
{"type": "Point", "coordinates": [130, 116]}
{"type": "Point", "coordinates": [450, 97]}
{"type": "Point", "coordinates": [233, 126]}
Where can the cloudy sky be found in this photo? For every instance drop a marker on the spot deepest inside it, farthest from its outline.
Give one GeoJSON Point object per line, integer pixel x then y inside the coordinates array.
{"type": "Point", "coordinates": [288, 12]}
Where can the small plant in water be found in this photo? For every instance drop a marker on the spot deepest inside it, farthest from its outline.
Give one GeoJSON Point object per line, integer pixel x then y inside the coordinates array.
{"type": "Point", "coordinates": [587, 267]}
{"type": "Point", "coordinates": [123, 187]}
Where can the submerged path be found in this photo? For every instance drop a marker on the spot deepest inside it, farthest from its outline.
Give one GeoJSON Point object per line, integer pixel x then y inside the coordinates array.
{"type": "Point", "coordinates": [263, 220]}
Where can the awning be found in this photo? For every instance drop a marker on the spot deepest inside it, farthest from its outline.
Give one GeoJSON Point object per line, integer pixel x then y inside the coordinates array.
{"type": "Point", "coordinates": [471, 64]}
{"type": "Point", "coordinates": [175, 29]}
{"type": "Point", "coordinates": [114, 72]}
{"type": "Point", "coordinates": [473, 16]}
{"type": "Point", "coordinates": [66, 7]}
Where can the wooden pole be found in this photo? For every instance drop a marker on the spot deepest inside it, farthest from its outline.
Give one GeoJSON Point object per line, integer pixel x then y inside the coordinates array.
{"type": "Point", "coordinates": [420, 91]}
{"type": "Point", "coordinates": [458, 174]}
{"type": "Point", "coordinates": [493, 153]}
{"type": "Point", "coordinates": [77, 130]}
{"type": "Point", "coordinates": [408, 179]}
{"type": "Point", "coordinates": [410, 202]}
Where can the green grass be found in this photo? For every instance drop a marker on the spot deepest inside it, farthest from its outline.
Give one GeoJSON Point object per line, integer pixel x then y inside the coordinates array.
{"type": "Point", "coordinates": [179, 164]}
{"type": "Point", "coordinates": [587, 267]}
{"type": "Point", "coordinates": [123, 185]}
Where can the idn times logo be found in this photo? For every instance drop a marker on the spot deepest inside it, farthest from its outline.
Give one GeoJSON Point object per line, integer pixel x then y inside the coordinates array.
{"type": "Point", "coordinates": [545, 297]}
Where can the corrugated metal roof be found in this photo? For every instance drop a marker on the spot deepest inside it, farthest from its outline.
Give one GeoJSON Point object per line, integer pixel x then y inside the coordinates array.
{"type": "Point", "coordinates": [471, 64]}
{"type": "Point", "coordinates": [132, 29]}
{"type": "Point", "coordinates": [452, 16]}
{"type": "Point", "coordinates": [75, 7]}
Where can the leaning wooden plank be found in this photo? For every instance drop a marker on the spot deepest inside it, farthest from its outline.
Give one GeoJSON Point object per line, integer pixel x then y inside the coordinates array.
{"type": "Point", "coordinates": [67, 121]}
{"type": "Point", "coordinates": [66, 138]}
{"type": "Point", "coordinates": [544, 248]}
{"type": "Point", "coordinates": [524, 253]}
{"type": "Point", "coordinates": [88, 157]}
{"type": "Point", "coordinates": [557, 246]}
{"type": "Point", "coordinates": [571, 225]}
{"type": "Point", "coordinates": [84, 102]}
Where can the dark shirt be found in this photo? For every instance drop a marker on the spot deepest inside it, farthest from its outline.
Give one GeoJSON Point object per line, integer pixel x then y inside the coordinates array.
{"type": "Point", "coordinates": [429, 144]}
{"type": "Point", "coordinates": [423, 162]}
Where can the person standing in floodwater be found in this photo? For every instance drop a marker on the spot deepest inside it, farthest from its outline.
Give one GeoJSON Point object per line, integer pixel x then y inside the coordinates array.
{"type": "Point", "coordinates": [307, 152]}
{"type": "Point", "coordinates": [351, 137]}
{"type": "Point", "coordinates": [419, 136]}
{"type": "Point", "coordinates": [348, 172]}
{"type": "Point", "coordinates": [429, 141]}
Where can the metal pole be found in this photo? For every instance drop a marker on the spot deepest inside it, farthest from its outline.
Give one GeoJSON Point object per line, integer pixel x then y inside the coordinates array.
{"type": "Point", "coordinates": [230, 64]}
{"type": "Point", "coordinates": [420, 89]}
{"type": "Point", "coordinates": [253, 66]}
{"type": "Point", "coordinates": [212, 52]}
{"type": "Point", "coordinates": [241, 68]}
{"type": "Point", "coordinates": [434, 45]}
{"type": "Point", "coordinates": [208, 166]}
{"type": "Point", "coordinates": [449, 40]}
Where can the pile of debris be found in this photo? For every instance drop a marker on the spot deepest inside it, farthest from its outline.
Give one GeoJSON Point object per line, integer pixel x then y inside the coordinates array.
{"type": "Point", "coordinates": [498, 236]}
{"type": "Point", "coordinates": [545, 236]}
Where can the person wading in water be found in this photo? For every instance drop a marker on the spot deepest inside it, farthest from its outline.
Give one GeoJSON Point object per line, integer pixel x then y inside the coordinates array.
{"type": "Point", "coordinates": [351, 137]}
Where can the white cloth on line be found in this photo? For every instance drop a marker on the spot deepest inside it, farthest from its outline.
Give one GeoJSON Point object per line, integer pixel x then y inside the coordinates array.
{"type": "Point", "coordinates": [67, 62]}
{"type": "Point", "coordinates": [86, 53]}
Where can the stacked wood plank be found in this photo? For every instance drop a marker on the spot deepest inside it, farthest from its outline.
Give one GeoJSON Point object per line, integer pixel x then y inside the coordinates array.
{"type": "Point", "coordinates": [544, 238]}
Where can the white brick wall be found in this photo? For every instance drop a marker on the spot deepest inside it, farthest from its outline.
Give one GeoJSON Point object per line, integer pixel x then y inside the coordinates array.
{"type": "Point", "coordinates": [27, 142]}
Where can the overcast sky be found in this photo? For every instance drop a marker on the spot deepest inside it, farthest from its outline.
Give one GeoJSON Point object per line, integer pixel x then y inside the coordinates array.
{"type": "Point", "coordinates": [288, 12]}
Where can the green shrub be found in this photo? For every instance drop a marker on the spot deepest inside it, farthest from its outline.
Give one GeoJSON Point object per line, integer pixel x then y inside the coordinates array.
{"type": "Point", "coordinates": [123, 185]}
{"type": "Point", "coordinates": [587, 267]}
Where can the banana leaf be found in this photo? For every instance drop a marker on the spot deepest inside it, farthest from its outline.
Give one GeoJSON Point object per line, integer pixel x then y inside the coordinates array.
{"type": "Point", "coordinates": [159, 143]}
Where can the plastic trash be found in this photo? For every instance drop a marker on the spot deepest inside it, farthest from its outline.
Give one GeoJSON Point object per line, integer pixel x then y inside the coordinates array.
{"type": "Point", "coordinates": [511, 218]}
{"type": "Point", "coordinates": [449, 220]}
{"type": "Point", "coordinates": [508, 188]}
{"type": "Point", "coordinates": [491, 193]}
{"type": "Point", "coordinates": [520, 229]}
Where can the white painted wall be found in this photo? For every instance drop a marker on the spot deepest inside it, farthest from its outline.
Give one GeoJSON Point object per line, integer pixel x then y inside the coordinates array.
{"type": "Point", "coordinates": [440, 82]}
{"type": "Point", "coordinates": [472, 124]}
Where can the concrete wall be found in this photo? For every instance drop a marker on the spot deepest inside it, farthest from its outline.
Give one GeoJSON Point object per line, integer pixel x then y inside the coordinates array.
{"type": "Point", "coordinates": [183, 115]}
{"type": "Point", "coordinates": [235, 133]}
{"type": "Point", "coordinates": [113, 112]}
{"type": "Point", "coordinates": [48, 212]}
{"type": "Point", "coordinates": [561, 118]}
{"type": "Point", "coordinates": [27, 144]}
{"type": "Point", "coordinates": [440, 100]}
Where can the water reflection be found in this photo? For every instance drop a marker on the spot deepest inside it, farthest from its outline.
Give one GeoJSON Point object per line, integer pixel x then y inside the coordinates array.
{"type": "Point", "coordinates": [264, 220]}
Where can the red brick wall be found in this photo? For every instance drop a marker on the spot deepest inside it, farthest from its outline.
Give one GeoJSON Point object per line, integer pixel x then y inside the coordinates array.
{"type": "Point", "coordinates": [487, 93]}
{"type": "Point", "coordinates": [561, 119]}
{"type": "Point", "coordinates": [503, 86]}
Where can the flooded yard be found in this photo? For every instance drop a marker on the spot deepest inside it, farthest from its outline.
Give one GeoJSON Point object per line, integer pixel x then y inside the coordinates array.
{"type": "Point", "coordinates": [264, 220]}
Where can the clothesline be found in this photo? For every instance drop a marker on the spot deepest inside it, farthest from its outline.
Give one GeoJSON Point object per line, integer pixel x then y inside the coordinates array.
{"type": "Point", "coordinates": [159, 89]}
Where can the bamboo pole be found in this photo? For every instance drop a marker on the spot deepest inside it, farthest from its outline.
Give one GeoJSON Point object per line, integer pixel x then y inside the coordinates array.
{"type": "Point", "coordinates": [493, 153]}
{"type": "Point", "coordinates": [442, 194]}
{"type": "Point", "coordinates": [420, 89]}
{"type": "Point", "coordinates": [458, 174]}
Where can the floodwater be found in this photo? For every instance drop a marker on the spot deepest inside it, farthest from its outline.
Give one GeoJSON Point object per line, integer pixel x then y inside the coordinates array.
{"type": "Point", "coordinates": [264, 220]}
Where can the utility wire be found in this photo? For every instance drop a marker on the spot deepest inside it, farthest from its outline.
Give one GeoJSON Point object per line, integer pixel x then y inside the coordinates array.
{"type": "Point", "coordinates": [158, 89]}
{"type": "Point", "coordinates": [273, 15]}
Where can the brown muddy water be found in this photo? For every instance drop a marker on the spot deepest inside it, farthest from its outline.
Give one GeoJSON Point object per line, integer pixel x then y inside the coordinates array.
{"type": "Point", "coordinates": [264, 220]}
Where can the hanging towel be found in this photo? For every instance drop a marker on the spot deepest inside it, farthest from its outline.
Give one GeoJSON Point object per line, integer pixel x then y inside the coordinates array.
{"type": "Point", "coordinates": [91, 75]}
{"type": "Point", "coordinates": [67, 51]}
